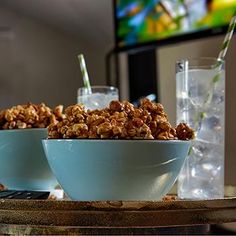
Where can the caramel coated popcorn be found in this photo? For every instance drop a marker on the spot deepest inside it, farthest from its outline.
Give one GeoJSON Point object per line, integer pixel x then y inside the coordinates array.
{"type": "Point", "coordinates": [169, 198]}
{"type": "Point", "coordinates": [30, 116]}
{"type": "Point", "coordinates": [184, 132]}
{"type": "Point", "coordinates": [2, 187]}
{"type": "Point", "coordinates": [121, 120]}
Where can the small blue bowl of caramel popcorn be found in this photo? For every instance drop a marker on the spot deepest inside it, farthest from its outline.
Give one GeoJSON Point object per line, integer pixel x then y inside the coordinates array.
{"type": "Point", "coordinates": [23, 164]}
{"type": "Point", "coordinates": [121, 152]}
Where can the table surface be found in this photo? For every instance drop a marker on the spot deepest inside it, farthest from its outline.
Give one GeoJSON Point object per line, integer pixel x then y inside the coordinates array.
{"type": "Point", "coordinates": [60, 216]}
{"type": "Point", "coordinates": [117, 213]}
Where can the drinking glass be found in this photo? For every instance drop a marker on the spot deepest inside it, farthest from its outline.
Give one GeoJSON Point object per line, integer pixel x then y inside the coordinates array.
{"type": "Point", "coordinates": [200, 93]}
{"type": "Point", "coordinates": [100, 97]}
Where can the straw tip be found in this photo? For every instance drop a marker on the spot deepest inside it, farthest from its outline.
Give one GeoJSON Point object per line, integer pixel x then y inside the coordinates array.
{"type": "Point", "coordinates": [233, 20]}
{"type": "Point", "coordinates": [80, 56]}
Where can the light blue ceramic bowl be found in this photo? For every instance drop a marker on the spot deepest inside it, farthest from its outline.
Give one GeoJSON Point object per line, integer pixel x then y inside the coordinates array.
{"type": "Point", "coordinates": [116, 169]}
{"type": "Point", "coordinates": [23, 164]}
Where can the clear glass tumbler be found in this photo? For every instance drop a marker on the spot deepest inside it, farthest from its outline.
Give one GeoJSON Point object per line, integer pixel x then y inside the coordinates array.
{"type": "Point", "coordinates": [200, 93]}
{"type": "Point", "coordinates": [100, 97]}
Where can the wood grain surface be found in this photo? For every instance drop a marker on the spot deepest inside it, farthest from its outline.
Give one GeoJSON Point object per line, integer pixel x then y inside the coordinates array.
{"type": "Point", "coordinates": [118, 217]}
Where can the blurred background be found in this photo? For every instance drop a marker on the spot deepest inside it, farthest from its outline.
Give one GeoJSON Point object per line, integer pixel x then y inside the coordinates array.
{"type": "Point", "coordinates": [40, 41]}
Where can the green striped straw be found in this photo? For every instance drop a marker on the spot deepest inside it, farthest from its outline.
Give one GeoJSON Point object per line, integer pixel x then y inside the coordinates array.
{"type": "Point", "coordinates": [84, 73]}
{"type": "Point", "coordinates": [227, 38]}
{"type": "Point", "coordinates": [221, 57]}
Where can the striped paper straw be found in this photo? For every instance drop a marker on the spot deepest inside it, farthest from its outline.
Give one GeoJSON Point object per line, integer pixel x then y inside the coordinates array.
{"type": "Point", "coordinates": [227, 38]}
{"type": "Point", "coordinates": [84, 73]}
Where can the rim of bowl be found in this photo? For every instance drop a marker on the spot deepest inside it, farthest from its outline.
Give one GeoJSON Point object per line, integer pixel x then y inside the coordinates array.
{"type": "Point", "coordinates": [24, 130]}
{"type": "Point", "coordinates": [118, 140]}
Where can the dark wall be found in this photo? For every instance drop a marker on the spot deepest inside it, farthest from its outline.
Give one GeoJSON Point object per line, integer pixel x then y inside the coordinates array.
{"type": "Point", "coordinates": [142, 74]}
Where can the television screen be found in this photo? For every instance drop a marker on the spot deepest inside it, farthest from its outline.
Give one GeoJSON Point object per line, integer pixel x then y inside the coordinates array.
{"type": "Point", "coordinates": [156, 22]}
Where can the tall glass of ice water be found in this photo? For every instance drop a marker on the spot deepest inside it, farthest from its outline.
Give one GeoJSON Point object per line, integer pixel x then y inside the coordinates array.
{"type": "Point", "coordinates": [100, 97]}
{"type": "Point", "coordinates": [200, 91]}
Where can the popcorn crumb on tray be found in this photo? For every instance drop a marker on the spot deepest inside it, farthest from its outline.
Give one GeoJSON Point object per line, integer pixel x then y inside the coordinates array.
{"type": "Point", "coordinates": [2, 187]}
{"type": "Point", "coordinates": [169, 198]}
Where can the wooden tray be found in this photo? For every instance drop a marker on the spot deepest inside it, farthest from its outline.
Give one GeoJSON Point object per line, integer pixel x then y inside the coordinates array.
{"type": "Point", "coordinates": [114, 217]}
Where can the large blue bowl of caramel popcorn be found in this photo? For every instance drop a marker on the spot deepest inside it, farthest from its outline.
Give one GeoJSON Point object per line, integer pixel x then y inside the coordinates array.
{"type": "Point", "coordinates": [121, 152]}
